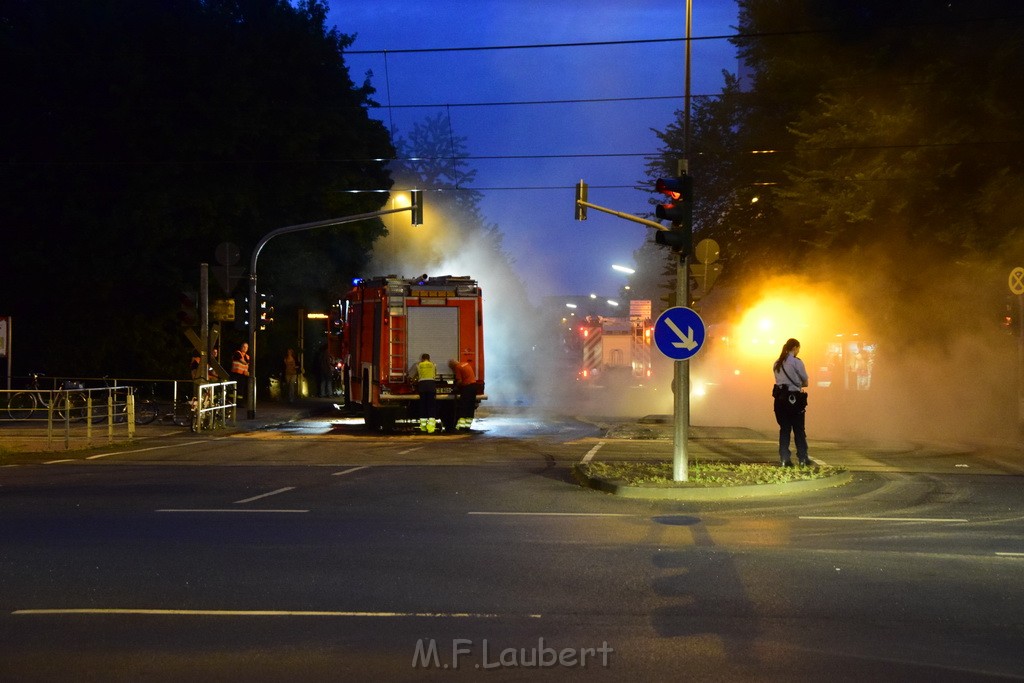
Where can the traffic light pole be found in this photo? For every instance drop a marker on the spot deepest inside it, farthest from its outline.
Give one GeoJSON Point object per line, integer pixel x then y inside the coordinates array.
{"type": "Point", "coordinates": [621, 214]}
{"type": "Point", "coordinates": [250, 395]}
{"type": "Point", "coordinates": [681, 381]}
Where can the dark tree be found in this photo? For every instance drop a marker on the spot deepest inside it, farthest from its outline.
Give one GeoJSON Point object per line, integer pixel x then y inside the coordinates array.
{"type": "Point", "coordinates": [144, 133]}
{"type": "Point", "coordinates": [877, 135]}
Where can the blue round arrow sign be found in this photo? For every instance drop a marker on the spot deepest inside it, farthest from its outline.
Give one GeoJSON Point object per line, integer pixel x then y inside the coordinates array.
{"type": "Point", "coordinates": [679, 333]}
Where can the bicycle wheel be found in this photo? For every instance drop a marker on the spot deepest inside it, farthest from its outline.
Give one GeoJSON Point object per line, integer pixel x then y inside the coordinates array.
{"type": "Point", "coordinates": [146, 411]}
{"type": "Point", "coordinates": [72, 404]}
{"type": "Point", "coordinates": [21, 406]}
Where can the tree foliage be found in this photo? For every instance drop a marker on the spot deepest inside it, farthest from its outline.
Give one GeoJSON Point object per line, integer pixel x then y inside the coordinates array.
{"type": "Point", "coordinates": [871, 132]}
{"type": "Point", "coordinates": [143, 134]}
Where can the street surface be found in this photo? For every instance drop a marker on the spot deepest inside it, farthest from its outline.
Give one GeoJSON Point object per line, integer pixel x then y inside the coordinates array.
{"type": "Point", "coordinates": [314, 551]}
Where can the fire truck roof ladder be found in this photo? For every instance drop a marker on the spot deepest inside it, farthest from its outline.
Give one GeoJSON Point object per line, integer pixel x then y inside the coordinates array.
{"type": "Point", "coordinates": [397, 347]}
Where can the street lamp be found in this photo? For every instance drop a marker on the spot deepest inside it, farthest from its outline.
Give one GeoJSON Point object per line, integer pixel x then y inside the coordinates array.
{"type": "Point", "coordinates": [623, 269]}
{"type": "Point", "coordinates": [415, 208]}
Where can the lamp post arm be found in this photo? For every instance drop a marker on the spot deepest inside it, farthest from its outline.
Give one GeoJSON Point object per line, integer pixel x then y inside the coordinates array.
{"type": "Point", "coordinates": [250, 394]}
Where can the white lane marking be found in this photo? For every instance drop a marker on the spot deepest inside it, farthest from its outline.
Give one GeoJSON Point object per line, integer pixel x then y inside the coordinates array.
{"type": "Point", "coordinates": [350, 469]}
{"type": "Point", "coordinates": [264, 495]}
{"type": "Point", "coordinates": [246, 510]}
{"type": "Point", "coordinates": [590, 454]}
{"type": "Point", "coordinates": [1010, 554]}
{"type": "Point", "coordinates": [54, 462]}
{"type": "Point", "coordinates": [272, 613]}
{"type": "Point", "coordinates": [886, 519]}
{"type": "Point", "coordinates": [142, 450]}
{"type": "Point", "coordinates": [553, 514]}
{"type": "Point", "coordinates": [410, 450]}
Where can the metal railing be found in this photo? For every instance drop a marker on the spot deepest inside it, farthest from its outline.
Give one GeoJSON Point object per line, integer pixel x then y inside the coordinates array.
{"type": "Point", "coordinates": [70, 414]}
{"type": "Point", "coordinates": [214, 405]}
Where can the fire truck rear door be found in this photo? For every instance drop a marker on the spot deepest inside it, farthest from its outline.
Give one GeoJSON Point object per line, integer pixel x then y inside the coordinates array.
{"type": "Point", "coordinates": [433, 330]}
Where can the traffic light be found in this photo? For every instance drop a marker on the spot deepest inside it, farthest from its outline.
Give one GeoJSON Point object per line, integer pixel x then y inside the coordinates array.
{"type": "Point", "coordinates": [581, 196]}
{"type": "Point", "coordinates": [266, 310]}
{"type": "Point", "coordinates": [679, 210]}
{"type": "Point", "coordinates": [417, 207]}
{"type": "Point", "coordinates": [242, 313]}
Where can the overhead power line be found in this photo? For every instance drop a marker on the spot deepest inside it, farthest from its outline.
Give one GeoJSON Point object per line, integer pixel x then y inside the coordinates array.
{"type": "Point", "coordinates": [651, 41]}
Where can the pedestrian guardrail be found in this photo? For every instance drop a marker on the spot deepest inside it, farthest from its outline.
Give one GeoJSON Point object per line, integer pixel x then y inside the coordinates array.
{"type": "Point", "coordinates": [214, 405]}
{"type": "Point", "coordinates": [71, 413]}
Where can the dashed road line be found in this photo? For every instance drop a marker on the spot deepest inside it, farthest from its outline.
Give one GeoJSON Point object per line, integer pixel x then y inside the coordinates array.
{"type": "Point", "coordinates": [349, 470]}
{"type": "Point", "coordinates": [551, 514]}
{"type": "Point", "coordinates": [264, 495]}
{"type": "Point", "coordinates": [245, 510]}
{"type": "Point", "coordinates": [142, 450]}
{"type": "Point", "coordinates": [886, 519]}
{"type": "Point", "coordinates": [593, 451]}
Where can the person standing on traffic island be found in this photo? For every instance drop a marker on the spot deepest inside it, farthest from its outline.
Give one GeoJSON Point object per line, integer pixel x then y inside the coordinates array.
{"type": "Point", "coordinates": [424, 376]}
{"type": "Point", "coordinates": [791, 402]}
{"type": "Point", "coordinates": [466, 387]}
{"type": "Point", "coordinates": [240, 372]}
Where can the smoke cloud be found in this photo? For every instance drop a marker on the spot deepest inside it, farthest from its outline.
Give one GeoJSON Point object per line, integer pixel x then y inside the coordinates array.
{"type": "Point", "coordinates": [900, 343]}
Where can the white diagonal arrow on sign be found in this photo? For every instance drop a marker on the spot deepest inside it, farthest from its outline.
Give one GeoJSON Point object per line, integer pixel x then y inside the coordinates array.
{"type": "Point", "coordinates": [686, 340]}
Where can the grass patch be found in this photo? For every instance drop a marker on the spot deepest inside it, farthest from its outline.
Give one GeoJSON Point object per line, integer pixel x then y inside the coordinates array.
{"type": "Point", "coordinates": [703, 474]}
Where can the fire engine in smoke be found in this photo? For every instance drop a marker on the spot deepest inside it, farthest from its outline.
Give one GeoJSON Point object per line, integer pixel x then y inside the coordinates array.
{"type": "Point", "coordinates": [617, 350]}
{"type": "Point", "coordinates": [387, 323]}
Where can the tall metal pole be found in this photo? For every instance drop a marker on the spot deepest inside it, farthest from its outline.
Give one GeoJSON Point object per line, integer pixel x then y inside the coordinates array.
{"type": "Point", "coordinates": [204, 321]}
{"type": "Point", "coordinates": [681, 379]}
{"type": "Point", "coordinates": [686, 95]}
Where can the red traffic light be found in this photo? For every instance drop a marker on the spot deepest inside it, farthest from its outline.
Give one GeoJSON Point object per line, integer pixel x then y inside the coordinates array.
{"type": "Point", "coordinates": [673, 187]}
{"type": "Point", "coordinates": [680, 191]}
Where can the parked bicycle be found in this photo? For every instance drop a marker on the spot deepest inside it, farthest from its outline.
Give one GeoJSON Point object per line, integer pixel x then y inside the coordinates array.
{"type": "Point", "coordinates": [69, 401]}
{"type": "Point", "coordinates": [146, 409]}
{"type": "Point", "coordinates": [203, 417]}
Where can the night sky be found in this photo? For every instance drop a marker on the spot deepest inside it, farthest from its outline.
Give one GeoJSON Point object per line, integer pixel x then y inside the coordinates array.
{"type": "Point", "coordinates": [531, 200]}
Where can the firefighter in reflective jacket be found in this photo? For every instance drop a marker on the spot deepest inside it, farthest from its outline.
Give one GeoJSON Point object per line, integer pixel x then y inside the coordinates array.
{"type": "Point", "coordinates": [424, 375]}
{"type": "Point", "coordinates": [466, 387]}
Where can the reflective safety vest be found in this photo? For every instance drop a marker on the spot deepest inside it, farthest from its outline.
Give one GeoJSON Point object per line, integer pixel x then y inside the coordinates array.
{"type": "Point", "coordinates": [426, 370]}
{"type": "Point", "coordinates": [464, 374]}
{"type": "Point", "coordinates": [240, 363]}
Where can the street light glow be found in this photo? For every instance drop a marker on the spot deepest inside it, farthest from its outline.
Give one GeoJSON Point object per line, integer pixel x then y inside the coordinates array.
{"type": "Point", "coordinates": [570, 305]}
{"type": "Point", "coordinates": [623, 269]}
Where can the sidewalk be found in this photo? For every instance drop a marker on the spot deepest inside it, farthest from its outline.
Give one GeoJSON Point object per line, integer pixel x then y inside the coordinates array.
{"type": "Point", "coordinates": [31, 437]}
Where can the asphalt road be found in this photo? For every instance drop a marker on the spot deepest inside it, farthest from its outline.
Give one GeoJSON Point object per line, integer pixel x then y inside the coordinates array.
{"type": "Point", "coordinates": [314, 552]}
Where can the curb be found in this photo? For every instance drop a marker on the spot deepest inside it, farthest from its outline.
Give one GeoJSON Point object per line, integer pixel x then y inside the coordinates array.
{"type": "Point", "coordinates": [672, 492]}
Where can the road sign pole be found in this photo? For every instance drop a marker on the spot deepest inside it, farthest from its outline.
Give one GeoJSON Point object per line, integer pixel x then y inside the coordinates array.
{"type": "Point", "coordinates": [681, 417]}
{"type": "Point", "coordinates": [1020, 362]}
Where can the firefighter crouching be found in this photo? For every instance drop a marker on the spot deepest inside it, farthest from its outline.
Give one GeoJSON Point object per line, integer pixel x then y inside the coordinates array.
{"type": "Point", "coordinates": [466, 388]}
{"type": "Point", "coordinates": [424, 376]}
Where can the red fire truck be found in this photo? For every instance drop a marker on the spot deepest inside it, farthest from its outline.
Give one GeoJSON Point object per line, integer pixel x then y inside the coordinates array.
{"type": "Point", "coordinates": [387, 323]}
{"type": "Point", "coordinates": [617, 350]}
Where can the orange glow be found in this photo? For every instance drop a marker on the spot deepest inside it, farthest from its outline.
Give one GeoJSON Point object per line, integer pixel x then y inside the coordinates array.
{"type": "Point", "coordinates": [788, 307]}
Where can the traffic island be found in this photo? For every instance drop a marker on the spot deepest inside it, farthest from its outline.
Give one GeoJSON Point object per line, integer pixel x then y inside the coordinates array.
{"type": "Point", "coordinates": [707, 480]}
